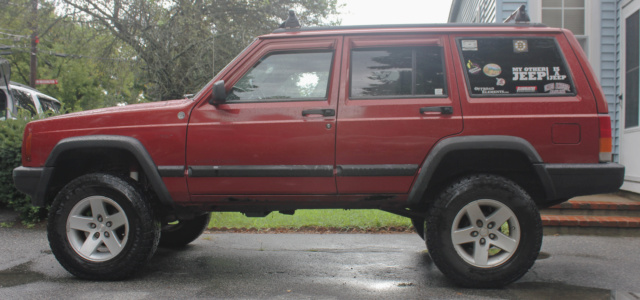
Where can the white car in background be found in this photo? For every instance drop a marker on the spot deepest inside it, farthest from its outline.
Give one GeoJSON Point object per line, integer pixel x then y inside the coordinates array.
{"type": "Point", "coordinates": [26, 98]}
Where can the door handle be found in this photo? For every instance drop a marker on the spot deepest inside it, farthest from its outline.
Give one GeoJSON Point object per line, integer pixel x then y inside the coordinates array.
{"type": "Point", "coordinates": [327, 112]}
{"type": "Point", "coordinates": [445, 110]}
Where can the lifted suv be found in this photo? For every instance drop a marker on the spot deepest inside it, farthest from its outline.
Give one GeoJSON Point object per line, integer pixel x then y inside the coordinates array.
{"type": "Point", "coordinates": [467, 130]}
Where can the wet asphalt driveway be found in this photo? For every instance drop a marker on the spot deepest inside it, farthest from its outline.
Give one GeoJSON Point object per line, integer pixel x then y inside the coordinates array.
{"type": "Point", "coordinates": [319, 266]}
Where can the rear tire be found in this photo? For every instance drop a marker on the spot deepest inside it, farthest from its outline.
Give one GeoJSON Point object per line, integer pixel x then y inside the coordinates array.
{"type": "Point", "coordinates": [418, 225]}
{"type": "Point", "coordinates": [484, 232]}
{"type": "Point", "coordinates": [184, 231]}
{"type": "Point", "coordinates": [101, 227]}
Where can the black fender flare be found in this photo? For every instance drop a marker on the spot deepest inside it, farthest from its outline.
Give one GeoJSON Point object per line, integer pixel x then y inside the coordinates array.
{"type": "Point", "coordinates": [484, 142]}
{"type": "Point", "coordinates": [129, 144]}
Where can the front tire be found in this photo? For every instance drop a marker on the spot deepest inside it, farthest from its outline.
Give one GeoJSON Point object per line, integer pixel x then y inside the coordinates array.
{"type": "Point", "coordinates": [101, 227]}
{"type": "Point", "coordinates": [484, 232]}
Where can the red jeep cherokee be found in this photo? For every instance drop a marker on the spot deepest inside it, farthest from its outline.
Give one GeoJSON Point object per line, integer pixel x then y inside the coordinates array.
{"type": "Point", "coordinates": [467, 130]}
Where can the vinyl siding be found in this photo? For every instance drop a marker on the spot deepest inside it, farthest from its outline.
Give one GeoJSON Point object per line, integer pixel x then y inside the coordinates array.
{"type": "Point", "coordinates": [610, 65]}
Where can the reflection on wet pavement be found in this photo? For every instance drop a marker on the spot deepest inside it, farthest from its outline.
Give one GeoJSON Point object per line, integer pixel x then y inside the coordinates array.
{"type": "Point", "coordinates": [19, 275]}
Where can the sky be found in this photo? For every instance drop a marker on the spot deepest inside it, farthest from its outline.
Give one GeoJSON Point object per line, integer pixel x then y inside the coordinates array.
{"type": "Point", "coordinates": [368, 12]}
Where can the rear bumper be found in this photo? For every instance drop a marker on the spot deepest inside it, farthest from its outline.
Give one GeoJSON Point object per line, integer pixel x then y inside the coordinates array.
{"type": "Point", "coordinates": [565, 181]}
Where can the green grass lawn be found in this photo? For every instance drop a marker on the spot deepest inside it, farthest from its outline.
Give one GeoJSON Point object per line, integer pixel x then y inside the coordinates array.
{"type": "Point", "coordinates": [338, 218]}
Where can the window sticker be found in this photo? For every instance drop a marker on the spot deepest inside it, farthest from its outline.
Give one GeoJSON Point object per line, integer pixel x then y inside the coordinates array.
{"type": "Point", "coordinates": [469, 45]}
{"type": "Point", "coordinates": [437, 91]}
{"type": "Point", "coordinates": [489, 90]}
{"type": "Point", "coordinates": [520, 46]}
{"type": "Point", "coordinates": [526, 89]}
{"type": "Point", "coordinates": [523, 66]}
{"type": "Point", "coordinates": [536, 74]}
{"type": "Point", "coordinates": [557, 88]}
{"type": "Point", "coordinates": [492, 70]}
{"type": "Point", "coordinates": [473, 68]}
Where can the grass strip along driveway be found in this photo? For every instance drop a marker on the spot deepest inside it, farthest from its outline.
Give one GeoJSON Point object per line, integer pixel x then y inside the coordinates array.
{"type": "Point", "coordinates": [320, 220]}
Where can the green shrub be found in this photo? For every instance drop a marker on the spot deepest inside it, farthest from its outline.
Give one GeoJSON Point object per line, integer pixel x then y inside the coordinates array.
{"type": "Point", "coordinates": [11, 132]}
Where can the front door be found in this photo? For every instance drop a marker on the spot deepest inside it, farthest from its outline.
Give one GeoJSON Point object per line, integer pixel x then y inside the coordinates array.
{"type": "Point", "coordinates": [630, 136]}
{"type": "Point", "coordinates": [275, 134]}
{"type": "Point", "coordinates": [399, 100]}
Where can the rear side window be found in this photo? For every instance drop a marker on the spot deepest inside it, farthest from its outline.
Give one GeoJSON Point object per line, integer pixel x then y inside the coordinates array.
{"type": "Point", "coordinates": [397, 72]}
{"type": "Point", "coordinates": [48, 104]}
{"type": "Point", "coordinates": [514, 66]}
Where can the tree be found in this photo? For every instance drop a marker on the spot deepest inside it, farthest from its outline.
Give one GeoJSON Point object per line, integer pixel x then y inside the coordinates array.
{"type": "Point", "coordinates": [175, 38]}
{"type": "Point", "coordinates": [93, 68]}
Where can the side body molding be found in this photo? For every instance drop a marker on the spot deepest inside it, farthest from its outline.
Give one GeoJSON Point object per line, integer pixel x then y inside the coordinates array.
{"type": "Point", "coordinates": [126, 143]}
{"type": "Point", "coordinates": [496, 142]}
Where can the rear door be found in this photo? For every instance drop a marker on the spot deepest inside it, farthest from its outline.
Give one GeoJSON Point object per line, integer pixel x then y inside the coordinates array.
{"type": "Point", "coordinates": [275, 135]}
{"type": "Point", "coordinates": [398, 101]}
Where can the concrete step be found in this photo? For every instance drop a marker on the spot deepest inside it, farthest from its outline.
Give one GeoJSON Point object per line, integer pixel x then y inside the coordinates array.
{"type": "Point", "coordinates": [610, 215]}
{"type": "Point", "coordinates": [594, 208]}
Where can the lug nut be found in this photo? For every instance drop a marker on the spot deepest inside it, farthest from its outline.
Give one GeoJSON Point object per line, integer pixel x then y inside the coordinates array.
{"type": "Point", "coordinates": [106, 234]}
{"type": "Point", "coordinates": [99, 218]}
{"type": "Point", "coordinates": [474, 233]}
{"type": "Point", "coordinates": [482, 241]}
{"type": "Point", "coordinates": [490, 226]}
{"type": "Point", "coordinates": [109, 224]}
{"type": "Point", "coordinates": [479, 223]}
{"type": "Point", "coordinates": [92, 225]}
{"type": "Point", "coordinates": [96, 235]}
{"type": "Point", "coordinates": [492, 236]}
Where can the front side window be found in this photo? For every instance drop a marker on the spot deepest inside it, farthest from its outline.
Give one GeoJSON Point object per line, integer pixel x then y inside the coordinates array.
{"type": "Point", "coordinates": [23, 101]}
{"type": "Point", "coordinates": [514, 66]}
{"type": "Point", "coordinates": [397, 72]}
{"type": "Point", "coordinates": [286, 76]}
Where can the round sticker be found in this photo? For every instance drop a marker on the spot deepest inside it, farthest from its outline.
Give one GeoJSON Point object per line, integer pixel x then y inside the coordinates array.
{"type": "Point", "coordinates": [492, 70]}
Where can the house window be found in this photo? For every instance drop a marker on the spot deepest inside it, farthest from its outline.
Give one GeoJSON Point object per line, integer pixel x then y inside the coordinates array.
{"type": "Point", "coordinates": [569, 14]}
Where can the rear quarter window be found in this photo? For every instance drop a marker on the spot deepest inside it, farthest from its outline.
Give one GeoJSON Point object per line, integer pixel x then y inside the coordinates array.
{"type": "Point", "coordinates": [514, 66]}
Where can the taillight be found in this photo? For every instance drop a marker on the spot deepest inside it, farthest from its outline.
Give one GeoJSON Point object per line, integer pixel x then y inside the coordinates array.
{"type": "Point", "coordinates": [606, 147]}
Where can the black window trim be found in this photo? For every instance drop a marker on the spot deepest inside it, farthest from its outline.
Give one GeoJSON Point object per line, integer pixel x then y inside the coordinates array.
{"type": "Point", "coordinates": [522, 95]}
{"type": "Point", "coordinates": [280, 100]}
{"type": "Point", "coordinates": [445, 92]}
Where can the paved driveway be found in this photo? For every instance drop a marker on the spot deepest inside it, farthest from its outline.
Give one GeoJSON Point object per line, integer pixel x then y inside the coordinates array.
{"type": "Point", "coordinates": [319, 266]}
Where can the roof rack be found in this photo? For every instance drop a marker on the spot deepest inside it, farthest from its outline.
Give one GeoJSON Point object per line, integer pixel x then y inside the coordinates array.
{"type": "Point", "coordinates": [519, 15]}
{"type": "Point", "coordinates": [391, 26]}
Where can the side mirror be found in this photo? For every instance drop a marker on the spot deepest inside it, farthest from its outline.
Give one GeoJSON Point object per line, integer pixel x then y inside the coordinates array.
{"type": "Point", "coordinates": [219, 93]}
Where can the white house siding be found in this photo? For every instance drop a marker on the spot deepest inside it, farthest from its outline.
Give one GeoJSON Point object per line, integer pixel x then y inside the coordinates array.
{"type": "Point", "coordinates": [610, 65]}
{"type": "Point", "coordinates": [475, 11]}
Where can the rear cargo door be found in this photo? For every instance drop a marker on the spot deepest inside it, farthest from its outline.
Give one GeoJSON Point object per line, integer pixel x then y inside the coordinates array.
{"type": "Point", "coordinates": [398, 100]}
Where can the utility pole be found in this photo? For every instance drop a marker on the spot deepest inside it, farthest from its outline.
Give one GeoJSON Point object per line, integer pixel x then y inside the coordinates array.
{"type": "Point", "coordinates": [34, 43]}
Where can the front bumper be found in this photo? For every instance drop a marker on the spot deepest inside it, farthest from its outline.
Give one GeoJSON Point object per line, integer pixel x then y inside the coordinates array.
{"type": "Point", "coordinates": [27, 181]}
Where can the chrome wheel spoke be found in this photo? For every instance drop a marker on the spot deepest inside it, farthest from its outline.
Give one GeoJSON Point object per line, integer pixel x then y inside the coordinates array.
{"type": "Point", "coordinates": [463, 236]}
{"type": "Point", "coordinates": [474, 212]}
{"type": "Point", "coordinates": [118, 219]}
{"type": "Point", "coordinates": [505, 243]}
{"type": "Point", "coordinates": [97, 207]}
{"type": "Point", "coordinates": [481, 254]}
{"type": "Point", "coordinates": [80, 223]}
{"type": "Point", "coordinates": [90, 245]}
{"type": "Point", "coordinates": [113, 244]}
{"type": "Point", "coordinates": [500, 216]}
